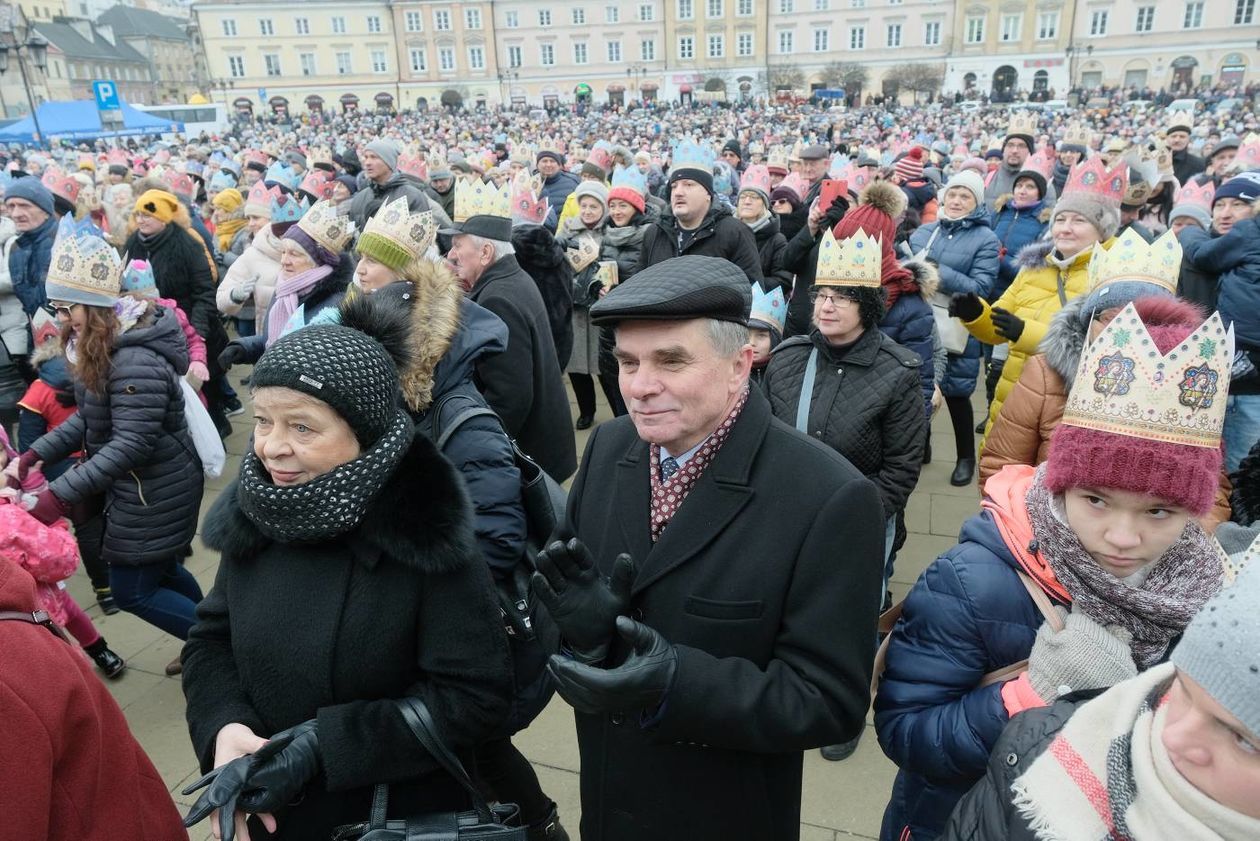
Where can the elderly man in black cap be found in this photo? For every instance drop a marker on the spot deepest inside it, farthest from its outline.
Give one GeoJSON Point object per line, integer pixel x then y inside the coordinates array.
{"type": "Point", "coordinates": [524, 383]}
{"type": "Point", "coordinates": [717, 582]}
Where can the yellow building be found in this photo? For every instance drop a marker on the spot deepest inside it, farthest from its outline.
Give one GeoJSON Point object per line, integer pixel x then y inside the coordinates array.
{"type": "Point", "coordinates": [446, 53]}
{"type": "Point", "coordinates": [717, 48]}
{"type": "Point", "coordinates": [1000, 49]}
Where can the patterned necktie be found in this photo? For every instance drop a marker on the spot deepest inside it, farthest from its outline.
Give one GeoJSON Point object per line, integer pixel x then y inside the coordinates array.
{"type": "Point", "coordinates": [669, 466]}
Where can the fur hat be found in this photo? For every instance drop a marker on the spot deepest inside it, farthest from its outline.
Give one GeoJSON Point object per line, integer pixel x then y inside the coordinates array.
{"type": "Point", "coordinates": [1104, 217]}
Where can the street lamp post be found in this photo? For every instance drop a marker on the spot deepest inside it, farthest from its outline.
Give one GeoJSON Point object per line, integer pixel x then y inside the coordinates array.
{"type": "Point", "coordinates": [36, 46]}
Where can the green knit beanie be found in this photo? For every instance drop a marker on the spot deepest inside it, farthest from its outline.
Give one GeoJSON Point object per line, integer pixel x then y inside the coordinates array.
{"type": "Point", "coordinates": [383, 250]}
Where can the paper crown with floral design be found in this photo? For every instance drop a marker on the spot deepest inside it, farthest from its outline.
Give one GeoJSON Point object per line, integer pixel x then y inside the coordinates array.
{"type": "Point", "coordinates": [692, 155]}
{"type": "Point", "coordinates": [777, 160]}
{"type": "Point", "coordinates": [181, 184]}
{"type": "Point", "coordinates": [1131, 259]}
{"type": "Point", "coordinates": [284, 207]}
{"type": "Point", "coordinates": [320, 157]}
{"type": "Point", "coordinates": [756, 177]}
{"type": "Point", "coordinates": [1041, 161]}
{"type": "Point", "coordinates": [1077, 135]}
{"type": "Point", "coordinates": [60, 184]}
{"type": "Point", "coordinates": [258, 199]}
{"type": "Point", "coordinates": [410, 163]}
{"type": "Point", "coordinates": [522, 155]}
{"type": "Point", "coordinates": [1093, 177]}
{"type": "Point", "coordinates": [1022, 123]}
{"type": "Point", "coordinates": [854, 261]}
{"type": "Point", "coordinates": [256, 159]}
{"type": "Point", "coordinates": [222, 180]}
{"type": "Point", "coordinates": [318, 183]}
{"type": "Point", "coordinates": [84, 269]}
{"type": "Point", "coordinates": [283, 175]}
{"type": "Point", "coordinates": [796, 184]}
{"type": "Point", "coordinates": [1199, 195]}
{"type": "Point", "coordinates": [769, 308]}
{"type": "Point", "coordinates": [582, 252]}
{"type": "Point", "coordinates": [395, 236]}
{"type": "Point", "coordinates": [330, 230]}
{"type": "Point", "coordinates": [1180, 121]}
{"type": "Point", "coordinates": [526, 206]}
{"type": "Point", "coordinates": [481, 199]}
{"type": "Point", "coordinates": [1125, 386]}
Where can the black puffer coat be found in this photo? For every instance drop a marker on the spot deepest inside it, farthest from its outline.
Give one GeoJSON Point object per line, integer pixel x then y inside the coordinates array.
{"type": "Point", "coordinates": [770, 246]}
{"type": "Point", "coordinates": [400, 606]}
{"type": "Point", "coordinates": [138, 454]}
{"type": "Point", "coordinates": [542, 258]}
{"type": "Point", "coordinates": [720, 235]}
{"type": "Point", "coordinates": [372, 197]}
{"type": "Point", "coordinates": [867, 405]}
{"type": "Point", "coordinates": [183, 271]}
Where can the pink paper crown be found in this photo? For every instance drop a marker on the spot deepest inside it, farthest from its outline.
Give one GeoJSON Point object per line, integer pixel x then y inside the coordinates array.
{"type": "Point", "coordinates": [1199, 195]}
{"type": "Point", "coordinates": [180, 183]}
{"type": "Point", "coordinates": [601, 158]}
{"type": "Point", "coordinates": [526, 206]}
{"type": "Point", "coordinates": [254, 156]}
{"type": "Point", "coordinates": [413, 166]}
{"type": "Point", "coordinates": [117, 156]}
{"type": "Point", "coordinates": [756, 176]}
{"type": "Point", "coordinates": [1042, 162]}
{"type": "Point", "coordinates": [1248, 156]}
{"type": "Point", "coordinates": [318, 183]}
{"type": "Point", "coordinates": [161, 156]}
{"type": "Point", "coordinates": [1094, 177]}
{"type": "Point", "coordinates": [796, 184]}
{"type": "Point", "coordinates": [260, 194]}
{"type": "Point", "coordinates": [60, 184]}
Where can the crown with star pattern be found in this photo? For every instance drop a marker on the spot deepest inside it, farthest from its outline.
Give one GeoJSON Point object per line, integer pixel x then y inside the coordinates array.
{"type": "Point", "coordinates": [854, 261]}
{"type": "Point", "coordinates": [1131, 258]}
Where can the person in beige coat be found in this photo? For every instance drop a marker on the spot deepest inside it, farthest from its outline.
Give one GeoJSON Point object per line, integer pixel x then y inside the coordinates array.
{"type": "Point", "coordinates": [253, 273]}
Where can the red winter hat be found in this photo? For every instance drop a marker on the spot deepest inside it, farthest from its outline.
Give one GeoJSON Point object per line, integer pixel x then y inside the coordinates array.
{"type": "Point", "coordinates": [1176, 473]}
{"type": "Point", "coordinates": [878, 207]}
{"type": "Point", "coordinates": [910, 168]}
{"type": "Point", "coordinates": [630, 196]}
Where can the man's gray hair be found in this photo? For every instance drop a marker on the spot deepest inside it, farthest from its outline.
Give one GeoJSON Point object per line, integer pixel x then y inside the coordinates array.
{"type": "Point", "coordinates": [501, 249]}
{"type": "Point", "coordinates": [728, 338]}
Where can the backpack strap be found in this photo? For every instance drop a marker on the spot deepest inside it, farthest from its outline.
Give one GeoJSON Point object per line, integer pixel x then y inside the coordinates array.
{"type": "Point", "coordinates": [36, 617]}
{"type": "Point", "coordinates": [439, 432]}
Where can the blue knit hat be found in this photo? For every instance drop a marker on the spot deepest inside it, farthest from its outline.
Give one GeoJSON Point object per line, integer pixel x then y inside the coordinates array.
{"type": "Point", "coordinates": [31, 190]}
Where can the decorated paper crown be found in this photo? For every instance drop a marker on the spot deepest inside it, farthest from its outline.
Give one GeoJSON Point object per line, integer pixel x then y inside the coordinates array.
{"type": "Point", "coordinates": [756, 148]}
{"type": "Point", "coordinates": [769, 308]}
{"type": "Point", "coordinates": [161, 156]}
{"type": "Point", "coordinates": [1248, 156]}
{"type": "Point", "coordinates": [582, 252]}
{"type": "Point", "coordinates": [1093, 177]}
{"type": "Point", "coordinates": [855, 261]}
{"type": "Point", "coordinates": [60, 184]}
{"type": "Point", "coordinates": [526, 207]}
{"type": "Point", "coordinates": [284, 175]}
{"type": "Point", "coordinates": [117, 157]}
{"type": "Point", "coordinates": [481, 199]}
{"type": "Point", "coordinates": [1043, 162]}
{"type": "Point", "coordinates": [629, 176]}
{"type": "Point", "coordinates": [1022, 122]}
{"type": "Point", "coordinates": [1199, 195]}
{"type": "Point", "coordinates": [839, 163]}
{"type": "Point", "coordinates": [260, 195]}
{"type": "Point", "coordinates": [1131, 258]}
{"type": "Point", "coordinates": [601, 156]}
{"type": "Point", "coordinates": [409, 163]}
{"type": "Point", "coordinates": [522, 155]}
{"type": "Point", "coordinates": [1077, 135]}
{"type": "Point", "coordinates": [256, 159]}
{"type": "Point", "coordinates": [84, 268]}
{"type": "Point", "coordinates": [284, 207]}
{"type": "Point", "coordinates": [137, 276]}
{"type": "Point", "coordinates": [777, 160]}
{"type": "Point", "coordinates": [222, 180]}
{"type": "Point", "coordinates": [179, 183]}
{"type": "Point", "coordinates": [1125, 386]}
{"type": "Point", "coordinates": [1143, 176]}
{"type": "Point", "coordinates": [330, 230]}
{"type": "Point", "coordinates": [692, 155]}
{"type": "Point", "coordinates": [318, 183]}
{"type": "Point", "coordinates": [395, 236]}
{"type": "Point", "coordinates": [756, 177]}
{"type": "Point", "coordinates": [1180, 121]}
{"type": "Point", "coordinates": [856, 177]}
{"type": "Point", "coordinates": [796, 184]}
{"type": "Point", "coordinates": [320, 157]}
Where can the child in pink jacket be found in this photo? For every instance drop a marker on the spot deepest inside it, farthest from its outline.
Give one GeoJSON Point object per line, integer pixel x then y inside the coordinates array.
{"type": "Point", "coordinates": [50, 554]}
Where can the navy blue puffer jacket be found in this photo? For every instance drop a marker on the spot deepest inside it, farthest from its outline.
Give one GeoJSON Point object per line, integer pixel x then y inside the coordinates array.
{"type": "Point", "coordinates": [909, 322]}
{"type": "Point", "coordinates": [1235, 257]}
{"type": "Point", "coordinates": [28, 265]}
{"type": "Point", "coordinates": [1014, 229]}
{"type": "Point", "coordinates": [966, 255]}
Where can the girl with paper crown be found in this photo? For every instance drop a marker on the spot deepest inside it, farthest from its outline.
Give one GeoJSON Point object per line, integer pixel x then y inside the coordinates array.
{"type": "Point", "coordinates": [1077, 574]}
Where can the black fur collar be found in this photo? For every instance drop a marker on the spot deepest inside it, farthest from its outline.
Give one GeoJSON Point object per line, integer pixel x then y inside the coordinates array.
{"type": "Point", "coordinates": [421, 519]}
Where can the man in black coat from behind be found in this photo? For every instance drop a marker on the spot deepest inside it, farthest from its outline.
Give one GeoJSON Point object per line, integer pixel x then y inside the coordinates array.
{"type": "Point", "coordinates": [524, 384]}
{"type": "Point", "coordinates": [718, 588]}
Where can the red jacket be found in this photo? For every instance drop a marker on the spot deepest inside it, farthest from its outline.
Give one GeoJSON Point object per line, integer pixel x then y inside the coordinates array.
{"type": "Point", "coordinates": [70, 769]}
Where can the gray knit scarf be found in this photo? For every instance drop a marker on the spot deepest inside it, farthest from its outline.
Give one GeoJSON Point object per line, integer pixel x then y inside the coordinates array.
{"type": "Point", "coordinates": [328, 505]}
{"type": "Point", "coordinates": [1186, 576]}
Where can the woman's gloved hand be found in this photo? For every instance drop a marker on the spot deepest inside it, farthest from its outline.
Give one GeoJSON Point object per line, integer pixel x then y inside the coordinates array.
{"type": "Point", "coordinates": [1084, 655]}
{"type": "Point", "coordinates": [1006, 324]}
{"type": "Point", "coordinates": [966, 306]}
{"type": "Point", "coordinates": [233, 354]}
{"type": "Point", "coordinates": [282, 769]}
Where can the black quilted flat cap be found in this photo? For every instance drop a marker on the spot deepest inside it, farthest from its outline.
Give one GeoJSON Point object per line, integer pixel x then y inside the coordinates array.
{"type": "Point", "coordinates": [679, 289]}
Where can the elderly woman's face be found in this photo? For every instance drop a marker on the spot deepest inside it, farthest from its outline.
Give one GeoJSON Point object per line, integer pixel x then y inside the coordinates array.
{"type": "Point", "coordinates": [298, 438]}
{"type": "Point", "coordinates": [293, 259]}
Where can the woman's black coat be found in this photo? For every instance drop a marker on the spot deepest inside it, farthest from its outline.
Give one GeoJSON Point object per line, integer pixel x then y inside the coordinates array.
{"type": "Point", "coordinates": [771, 245]}
{"type": "Point", "coordinates": [334, 630]}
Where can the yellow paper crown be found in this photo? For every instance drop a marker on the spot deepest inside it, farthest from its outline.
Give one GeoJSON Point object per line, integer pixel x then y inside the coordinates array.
{"type": "Point", "coordinates": [1077, 135]}
{"type": "Point", "coordinates": [1125, 386]}
{"type": "Point", "coordinates": [1180, 120]}
{"type": "Point", "coordinates": [1023, 122]}
{"type": "Point", "coordinates": [327, 227]}
{"type": "Point", "coordinates": [1131, 258]}
{"type": "Point", "coordinates": [481, 199]}
{"type": "Point", "coordinates": [411, 232]}
{"type": "Point", "coordinates": [856, 261]}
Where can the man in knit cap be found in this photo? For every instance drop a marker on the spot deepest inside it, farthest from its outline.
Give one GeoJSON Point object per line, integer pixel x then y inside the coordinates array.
{"type": "Point", "coordinates": [385, 183]}
{"type": "Point", "coordinates": [30, 206]}
{"type": "Point", "coordinates": [557, 184]}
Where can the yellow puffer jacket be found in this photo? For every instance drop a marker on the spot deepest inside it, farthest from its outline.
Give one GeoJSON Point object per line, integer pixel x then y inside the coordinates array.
{"type": "Point", "coordinates": [1035, 295]}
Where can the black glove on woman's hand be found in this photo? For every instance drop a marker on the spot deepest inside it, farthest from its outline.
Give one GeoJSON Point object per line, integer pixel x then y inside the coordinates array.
{"type": "Point", "coordinates": [583, 605]}
{"type": "Point", "coordinates": [966, 306]}
{"type": "Point", "coordinates": [223, 787]}
{"type": "Point", "coordinates": [233, 354]}
{"type": "Point", "coordinates": [283, 768]}
{"type": "Point", "coordinates": [836, 212]}
{"type": "Point", "coordinates": [1006, 324]}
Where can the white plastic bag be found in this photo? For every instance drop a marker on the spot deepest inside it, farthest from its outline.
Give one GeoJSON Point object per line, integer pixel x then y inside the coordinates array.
{"type": "Point", "coordinates": [201, 429]}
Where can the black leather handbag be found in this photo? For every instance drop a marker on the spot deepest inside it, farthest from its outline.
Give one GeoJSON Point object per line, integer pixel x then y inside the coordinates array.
{"type": "Point", "coordinates": [482, 822]}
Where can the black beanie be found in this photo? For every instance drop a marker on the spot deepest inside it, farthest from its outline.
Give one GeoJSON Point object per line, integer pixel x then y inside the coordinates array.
{"type": "Point", "coordinates": [702, 177]}
{"type": "Point", "coordinates": [732, 145]}
{"type": "Point", "coordinates": [1035, 177]}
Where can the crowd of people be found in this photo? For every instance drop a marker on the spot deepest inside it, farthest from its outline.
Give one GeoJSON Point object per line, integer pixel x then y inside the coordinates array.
{"type": "Point", "coordinates": [774, 301]}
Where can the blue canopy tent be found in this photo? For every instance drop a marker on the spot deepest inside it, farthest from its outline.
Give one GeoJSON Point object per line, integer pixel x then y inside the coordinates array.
{"type": "Point", "coordinates": [79, 120]}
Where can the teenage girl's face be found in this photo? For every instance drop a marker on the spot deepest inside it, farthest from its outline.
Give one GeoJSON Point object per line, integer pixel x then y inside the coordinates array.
{"type": "Point", "coordinates": [1211, 748]}
{"type": "Point", "coordinates": [1123, 531]}
{"type": "Point", "coordinates": [73, 314]}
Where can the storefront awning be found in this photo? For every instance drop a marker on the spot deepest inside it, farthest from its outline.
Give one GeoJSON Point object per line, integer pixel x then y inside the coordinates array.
{"type": "Point", "coordinates": [616, 88]}
{"type": "Point", "coordinates": [648, 86]}
{"type": "Point", "coordinates": [384, 98]}
{"type": "Point", "coordinates": [582, 89]}
{"type": "Point", "coordinates": [349, 99]}
{"type": "Point", "coordinates": [243, 103]}
{"type": "Point", "coordinates": [684, 88]}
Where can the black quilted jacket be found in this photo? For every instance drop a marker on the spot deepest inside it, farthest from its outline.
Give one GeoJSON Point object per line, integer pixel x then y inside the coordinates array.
{"type": "Point", "coordinates": [867, 405]}
{"type": "Point", "coordinates": [137, 450]}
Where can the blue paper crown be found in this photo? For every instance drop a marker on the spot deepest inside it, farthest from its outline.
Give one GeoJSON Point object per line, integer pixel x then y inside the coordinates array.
{"type": "Point", "coordinates": [283, 175]}
{"type": "Point", "coordinates": [629, 176]}
{"type": "Point", "coordinates": [693, 155]}
{"type": "Point", "coordinates": [768, 308]}
{"type": "Point", "coordinates": [222, 180]}
{"type": "Point", "coordinates": [138, 277]}
{"type": "Point", "coordinates": [81, 229]}
{"type": "Point", "coordinates": [287, 208]}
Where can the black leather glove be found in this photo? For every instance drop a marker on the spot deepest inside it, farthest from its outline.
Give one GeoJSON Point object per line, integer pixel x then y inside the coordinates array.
{"type": "Point", "coordinates": [966, 306]}
{"type": "Point", "coordinates": [223, 787]}
{"type": "Point", "coordinates": [583, 605]}
{"type": "Point", "coordinates": [835, 213]}
{"type": "Point", "coordinates": [1006, 324]}
{"type": "Point", "coordinates": [283, 768]}
{"type": "Point", "coordinates": [640, 683]}
{"type": "Point", "coordinates": [233, 354]}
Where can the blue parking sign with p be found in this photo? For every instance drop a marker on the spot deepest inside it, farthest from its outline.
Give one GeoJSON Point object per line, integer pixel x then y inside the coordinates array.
{"type": "Point", "coordinates": [106, 96]}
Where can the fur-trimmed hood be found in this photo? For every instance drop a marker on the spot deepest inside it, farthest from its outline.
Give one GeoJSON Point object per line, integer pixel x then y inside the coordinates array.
{"type": "Point", "coordinates": [925, 276]}
{"type": "Point", "coordinates": [1065, 340]}
{"type": "Point", "coordinates": [421, 519]}
{"type": "Point", "coordinates": [885, 197]}
{"type": "Point", "coordinates": [1044, 210]}
{"type": "Point", "coordinates": [536, 246]}
{"type": "Point", "coordinates": [1034, 254]}
{"type": "Point", "coordinates": [435, 321]}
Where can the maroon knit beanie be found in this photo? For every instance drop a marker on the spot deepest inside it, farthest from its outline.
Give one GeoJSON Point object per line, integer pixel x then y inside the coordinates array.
{"type": "Point", "coordinates": [1176, 473]}
{"type": "Point", "coordinates": [910, 168]}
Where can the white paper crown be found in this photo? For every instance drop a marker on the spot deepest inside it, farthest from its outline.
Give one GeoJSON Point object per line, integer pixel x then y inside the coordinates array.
{"type": "Point", "coordinates": [411, 232]}
{"type": "Point", "coordinates": [481, 199]}
{"type": "Point", "coordinates": [856, 261]}
{"type": "Point", "coordinates": [329, 229]}
{"type": "Point", "coordinates": [1125, 386]}
{"type": "Point", "coordinates": [1180, 120]}
{"type": "Point", "coordinates": [1023, 123]}
{"type": "Point", "coordinates": [582, 252]}
{"type": "Point", "coordinates": [84, 263]}
{"type": "Point", "coordinates": [1131, 258]}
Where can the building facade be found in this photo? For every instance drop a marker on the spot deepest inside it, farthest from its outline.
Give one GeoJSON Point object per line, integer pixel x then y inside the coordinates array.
{"type": "Point", "coordinates": [446, 54]}
{"type": "Point", "coordinates": [717, 48]}
{"type": "Point", "coordinates": [1002, 49]}
{"type": "Point", "coordinates": [174, 64]}
{"type": "Point", "coordinates": [80, 52]}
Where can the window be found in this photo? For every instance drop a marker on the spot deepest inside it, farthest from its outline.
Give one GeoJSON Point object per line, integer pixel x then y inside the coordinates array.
{"type": "Point", "coordinates": [579, 52]}
{"type": "Point", "coordinates": [419, 62]}
{"type": "Point", "coordinates": [1145, 19]}
{"type": "Point", "coordinates": [857, 37]}
{"type": "Point", "coordinates": [271, 64]}
{"type": "Point", "coordinates": [1194, 16]}
{"type": "Point", "coordinates": [229, 28]}
{"type": "Point", "coordinates": [1011, 25]}
{"type": "Point", "coordinates": [544, 17]}
{"type": "Point", "coordinates": [339, 26]}
{"type": "Point", "coordinates": [975, 30]}
{"type": "Point", "coordinates": [786, 7]}
{"type": "Point", "coordinates": [578, 16]}
{"type": "Point", "coordinates": [414, 22]}
{"type": "Point", "coordinates": [1098, 23]}
{"type": "Point", "coordinates": [379, 64]}
{"type": "Point", "coordinates": [546, 55]}
{"type": "Point", "coordinates": [477, 58]}
{"type": "Point", "coordinates": [1244, 11]}
{"type": "Point", "coordinates": [821, 5]}
{"type": "Point", "coordinates": [614, 51]}
{"type": "Point", "coordinates": [511, 20]}
{"type": "Point", "coordinates": [265, 27]}
{"type": "Point", "coordinates": [343, 64]}
{"type": "Point", "coordinates": [686, 48]}
{"type": "Point", "coordinates": [307, 63]}
{"type": "Point", "coordinates": [647, 50]}
{"type": "Point", "coordinates": [932, 33]}
{"type": "Point", "coordinates": [858, 4]}
{"type": "Point", "coordinates": [446, 59]}
{"type": "Point", "coordinates": [236, 67]}
{"type": "Point", "coordinates": [472, 18]}
{"type": "Point", "coordinates": [714, 8]}
{"type": "Point", "coordinates": [1047, 26]}
{"type": "Point", "coordinates": [744, 8]}
{"type": "Point", "coordinates": [894, 35]}
{"type": "Point", "coordinates": [785, 41]}
{"type": "Point", "coordinates": [302, 25]}
{"type": "Point", "coordinates": [822, 40]}
{"type": "Point", "coordinates": [685, 10]}
{"type": "Point", "coordinates": [374, 24]}
{"type": "Point", "coordinates": [647, 12]}
{"type": "Point", "coordinates": [744, 44]}
{"type": "Point", "coordinates": [442, 20]}
{"type": "Point", "coordinates": [717, 46]}
{"type": "Point", "coordinates": [515, 58]}
{"type": "Point", "coordinates": [612, 14]}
